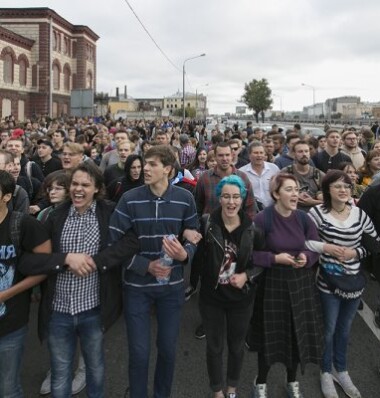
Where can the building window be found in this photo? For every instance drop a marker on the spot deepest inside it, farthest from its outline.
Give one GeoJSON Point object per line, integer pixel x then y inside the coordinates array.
{"type": "Point", "coordinates": [89, 80]}
{"type": "Point", "coordinates": [6, 107]}
{"type": "Point", "coordinates": [66, 78]}
{"type": "Point", "coordinates": [8, 69]}
{"type": "Point", "coordinates": [21, 110]}
{"type": "Point", "coordinates": [55, 41]}
{"type": "Point", "coordinates": [22, 72]}
{"type": "Point", "coordinates": [55, 77]}
{"type": "Point", "coordinates": [55, 109]}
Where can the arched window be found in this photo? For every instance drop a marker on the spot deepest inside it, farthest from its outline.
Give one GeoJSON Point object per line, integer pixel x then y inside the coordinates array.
{"type": "Point", "coordinates": [22, 72]}
{"type": "Point", "coordinates": [89, 80]}
{"type": "Point", "coordinates": [8, 68]}
{"type": "Point", "coordinates": [66, 77]}
{"type": "Point", "coordinates": [55, 77]}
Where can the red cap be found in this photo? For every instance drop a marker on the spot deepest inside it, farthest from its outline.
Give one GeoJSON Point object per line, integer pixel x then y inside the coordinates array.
{"type": "Point", "coordinates": [17, 133]}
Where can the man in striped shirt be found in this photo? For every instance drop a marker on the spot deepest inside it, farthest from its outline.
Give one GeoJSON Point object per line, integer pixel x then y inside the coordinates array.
{"type": "Point", "coordinates": [153, 212]}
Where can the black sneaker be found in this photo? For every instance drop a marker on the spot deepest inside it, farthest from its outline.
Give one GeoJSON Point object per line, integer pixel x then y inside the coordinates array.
{"type": "Point", "coordinates": [190, 291]}
{"type": "Point", "coordinates": [361, 305]}
{"type": "Point", "coordinates": [200, 332]}
{"type": "Point", "coordinates": [377, 317]}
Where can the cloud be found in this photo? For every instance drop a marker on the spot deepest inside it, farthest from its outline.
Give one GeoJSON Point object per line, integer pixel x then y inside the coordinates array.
{"type": "Point", "coordinates": [331, 45]}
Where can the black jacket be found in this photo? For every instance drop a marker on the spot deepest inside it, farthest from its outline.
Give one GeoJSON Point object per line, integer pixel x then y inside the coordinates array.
{"type": "Point", "coordinates": [108, 262]}
{"type": "Point", "coordinates": [251, 237]}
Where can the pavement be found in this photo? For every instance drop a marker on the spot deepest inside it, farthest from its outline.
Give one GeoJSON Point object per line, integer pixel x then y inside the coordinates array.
{"type": "Point", "coordinates": [191, 380]}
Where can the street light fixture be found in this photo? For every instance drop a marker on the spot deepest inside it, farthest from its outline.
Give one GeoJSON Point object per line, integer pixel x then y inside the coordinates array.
{"type": "Point", "coordinates": [183, 80]}
{"type": "Point", "coordinates": [313, 88]}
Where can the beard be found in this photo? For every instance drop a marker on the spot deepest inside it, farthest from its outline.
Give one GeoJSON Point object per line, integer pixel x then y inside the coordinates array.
{"type": "Point", "coordinates": [303, 161]}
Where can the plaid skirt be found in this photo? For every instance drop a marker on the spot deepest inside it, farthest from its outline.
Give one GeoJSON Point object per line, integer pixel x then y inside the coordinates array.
{"type": "Point", "coordinates": [287, 323]}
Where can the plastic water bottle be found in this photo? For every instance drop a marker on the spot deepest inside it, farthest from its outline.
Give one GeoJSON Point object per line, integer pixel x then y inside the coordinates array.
{"type": "Point", "coordinates": [166, 261]}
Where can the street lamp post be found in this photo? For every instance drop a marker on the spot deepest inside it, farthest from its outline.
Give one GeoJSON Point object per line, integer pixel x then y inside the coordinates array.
{"type": "Point", "coordinates": [313, 88]}
{"type": "Point", "coordinates": [183, 81]}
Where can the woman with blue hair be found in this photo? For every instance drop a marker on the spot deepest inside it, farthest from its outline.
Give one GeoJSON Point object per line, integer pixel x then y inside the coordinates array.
{"type": "Point", "coordinates": [227, 288]}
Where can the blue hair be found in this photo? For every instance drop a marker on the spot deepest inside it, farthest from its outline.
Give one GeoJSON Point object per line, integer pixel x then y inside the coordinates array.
{"type": "Point", "coordinates": [231, 180]}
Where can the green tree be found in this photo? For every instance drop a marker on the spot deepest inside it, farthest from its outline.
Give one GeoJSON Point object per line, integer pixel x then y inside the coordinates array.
{"type": "Point", "coordinates": [189, 112]}
{"type": "Point", "coordinates": [257, 96]}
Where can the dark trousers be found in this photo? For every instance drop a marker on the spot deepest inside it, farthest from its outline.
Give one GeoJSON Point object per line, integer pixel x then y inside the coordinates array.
{"type": "Point", "coordinates": [168, 301]}
{"type": "Point", "coordinates": [216, 319]}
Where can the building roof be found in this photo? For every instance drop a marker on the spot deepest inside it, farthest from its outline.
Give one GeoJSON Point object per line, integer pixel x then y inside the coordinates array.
{"type": "Point", "coordinates": [16, 39]}
{"type": "Point", "coordinates": [45, 12]}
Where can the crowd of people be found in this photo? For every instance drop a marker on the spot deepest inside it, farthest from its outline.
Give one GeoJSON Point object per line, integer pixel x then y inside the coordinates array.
{"type": "Point", "coordinates": [99, 218]}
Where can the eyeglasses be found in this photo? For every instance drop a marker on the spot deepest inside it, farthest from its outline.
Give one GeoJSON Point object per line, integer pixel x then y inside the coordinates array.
{"type": "Point", "coordinates": [227, 198]}
{"type": "Point", "coordinates": [51, 189]}
{"type": "Point", "coordinates": [338, 187]}
{"type": "Point", "coordinates": [351, 138]}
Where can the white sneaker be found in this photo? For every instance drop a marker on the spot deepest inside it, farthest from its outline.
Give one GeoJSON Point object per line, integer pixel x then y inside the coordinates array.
{"type": "Point", "coordinates": [293, 390]}
{"type": "Point", "coordinates": [46, 384]}
{"type": "Point", "coordinates": [344, 380]}
{"type": "Point", "coordinates": [259, 390]}
{"type": "Point", "coordinates": [327, 386]}
{"type": "Point", "coordinates": [79, 381]}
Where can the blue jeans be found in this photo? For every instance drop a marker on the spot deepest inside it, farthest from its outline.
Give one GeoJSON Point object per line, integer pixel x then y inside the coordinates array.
{"type": "Point", "coordinates": [64, 329]}
{"type": "Point", "coordinates": [138, 303]}
{"type": "Point", "coordinates": [338, 315]}
{"type": "Point", "coordinates": [11, 350]}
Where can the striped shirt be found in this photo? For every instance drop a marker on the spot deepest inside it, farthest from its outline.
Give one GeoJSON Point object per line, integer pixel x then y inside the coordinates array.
{"type": "Point", "coordinates": [80, 234]}
{"type": "Point", "coordinates": [151, 218]}
{"type": "Point", "coordinates": [347, 233]}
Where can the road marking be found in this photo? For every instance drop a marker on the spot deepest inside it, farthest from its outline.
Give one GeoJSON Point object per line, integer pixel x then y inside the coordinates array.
{"type": "Point", "coordinates": [368, 317]}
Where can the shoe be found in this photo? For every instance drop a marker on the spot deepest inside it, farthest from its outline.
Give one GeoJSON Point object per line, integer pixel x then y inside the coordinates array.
{"type": "Point", "coordinates": [200, 332]}
{"type": "Point", "coordinates": [46, 384]}
{"type": "Point", "coordinates": [189, 291]}
{"type": "Point", "coordinates": [293, 390]}
{"type": "Point", "coordinates": [361, 305]}
{"type": "Point", "coordinates": [327, 386]}
{"type": "Point", "coordinates": [231, 395]}
{"type": "Point", "coordinates": [259, 390]}
{"type": "Point", "coordinates": [79, 381]}
{"type": "Point", "coordinates": [344, 380]}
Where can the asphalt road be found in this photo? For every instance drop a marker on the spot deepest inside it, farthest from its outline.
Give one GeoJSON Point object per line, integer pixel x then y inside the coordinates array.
{"type": "Point", "coordinates": [191, 375]}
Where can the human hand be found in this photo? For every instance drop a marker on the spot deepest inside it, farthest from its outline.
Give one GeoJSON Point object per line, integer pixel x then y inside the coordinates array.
{"type": "Point", "coordinates": [158, 270]}
{"type": "Point", "coordinates": [349, 254]}
{"type": "Point", "coordinates": [301, 260]}
{"type": "Point", "coordinates": [305, 199]}
{"type": "Point", "coordinates": [192, 235]}
{"type": "Point", "coordinates": [334, 250]}
{"type": "Point", "coordinates": [174, 249]}
{"type": "Point", "coordinates": [80, 264]}
{"type": "Point", "coordinates": [34, 209]}
{"type": "Point", "coordinates": [285, 259]}
{"type": "Point", "coordinates": [238, 280]}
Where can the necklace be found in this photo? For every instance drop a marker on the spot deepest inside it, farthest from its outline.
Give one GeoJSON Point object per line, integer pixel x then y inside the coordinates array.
{"type": "Point", "coordinates": [340, 211]}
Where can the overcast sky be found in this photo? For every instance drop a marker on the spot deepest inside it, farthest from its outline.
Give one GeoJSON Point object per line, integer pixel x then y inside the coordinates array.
{"type": "Point", "coordinates": [329, 44]}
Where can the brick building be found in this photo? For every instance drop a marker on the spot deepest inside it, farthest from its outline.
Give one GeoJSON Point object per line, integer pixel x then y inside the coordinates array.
{"type": "Point", "coordinates": [42, 58]}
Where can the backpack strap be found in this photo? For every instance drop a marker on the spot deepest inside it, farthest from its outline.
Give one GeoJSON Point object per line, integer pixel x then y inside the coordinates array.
{"type": "Point", "coordinates": [290, 169]}
{"type": "Point", "coordinates": [15, 228]}
{"type": "Point", "coordinates": [205, 224]}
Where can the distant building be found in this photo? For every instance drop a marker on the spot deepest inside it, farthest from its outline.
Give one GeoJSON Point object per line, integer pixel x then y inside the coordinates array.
{"type": "Point", "coordinates": [342, 105]}
{"type": "Point", "coordinates": [38, 46]}
{"type": "Point", "coordinates": [195, 101]}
